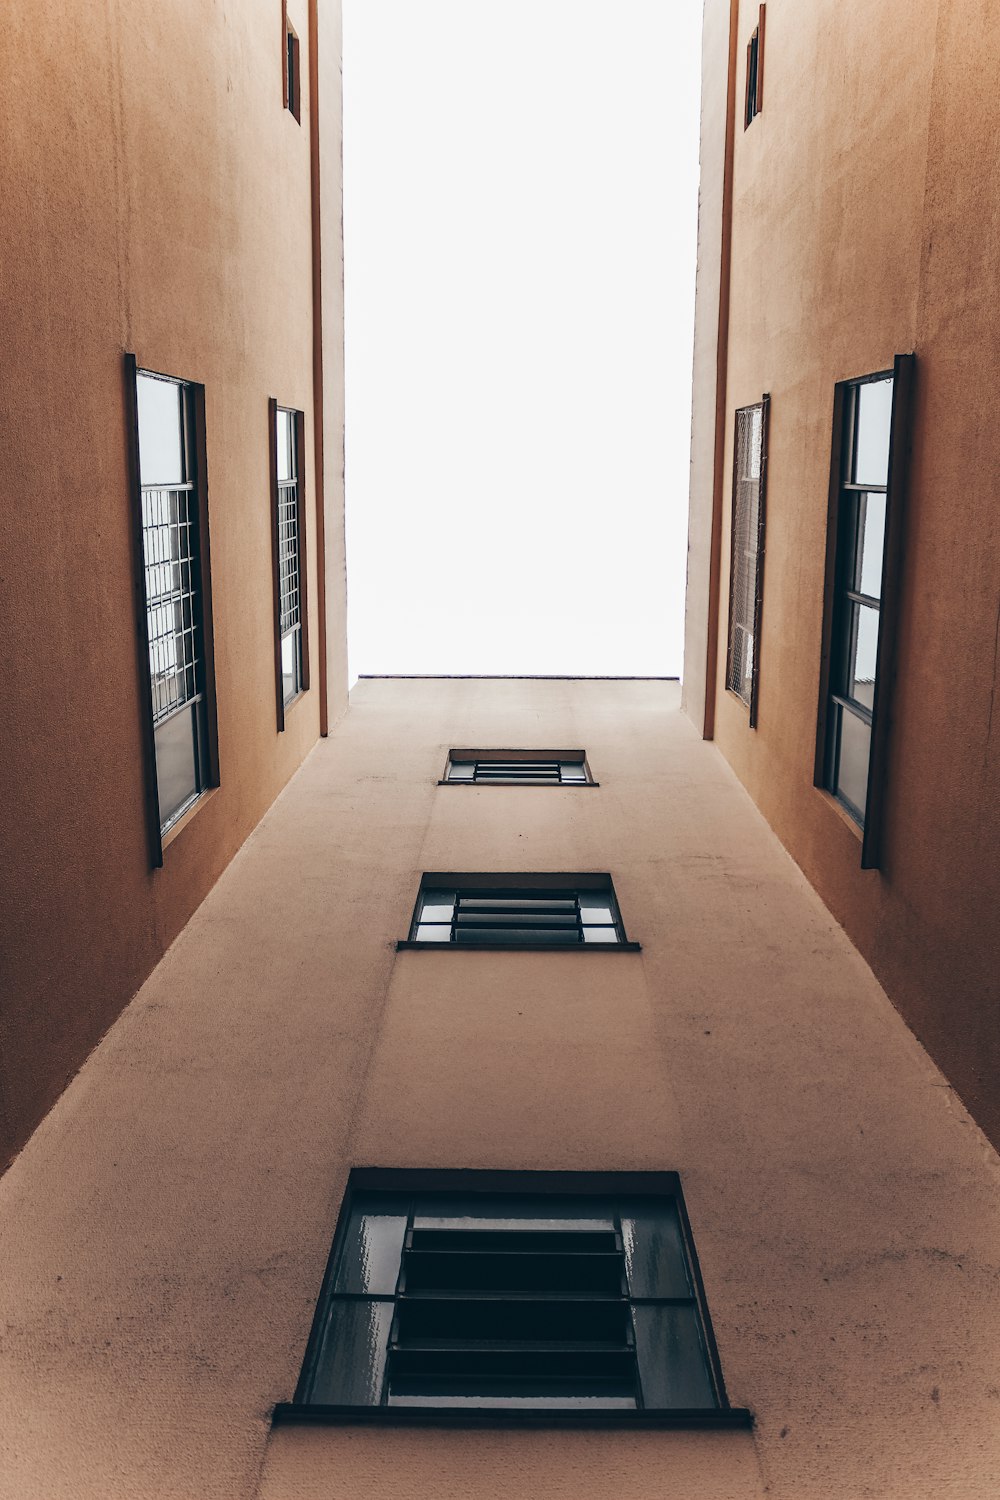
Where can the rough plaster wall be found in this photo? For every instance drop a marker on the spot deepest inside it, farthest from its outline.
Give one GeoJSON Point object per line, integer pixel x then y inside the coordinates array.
{"type": "Point", "coordinates": [157, 200]}
{"type": "Point", "coordinates": [865, 224]}
{"type": "Point", "coordinates": [714, 80]}
{"type": "Point", "coordinates": [166, 1229]}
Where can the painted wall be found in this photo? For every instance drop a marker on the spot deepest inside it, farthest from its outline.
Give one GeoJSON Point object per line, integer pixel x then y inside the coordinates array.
{"type": "Point", "coordinates": [865, 225]}
{"type": "Point", "coordinates": [157, 200]}
{"type": "Point", "coordinates": [167, 1227]}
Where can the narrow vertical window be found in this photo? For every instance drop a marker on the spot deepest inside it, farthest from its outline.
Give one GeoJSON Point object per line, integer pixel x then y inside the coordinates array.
{"type": "Point", "coordinates": [864, 539]}
{"type": "Point", "coordinates": [754, 101]}
{"type": "Point", "coordinates": [174, 577]}
{"type": "Point", "coordinates": [747, 559]}
{"type": "Point", "coordinates": [291, 68]}
{"type": "Point", "coordinates": [291, 658]}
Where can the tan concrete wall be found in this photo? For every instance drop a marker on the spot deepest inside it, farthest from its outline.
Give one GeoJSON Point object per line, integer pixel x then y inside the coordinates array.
{"type": "Point", "coordinates": [156, 200]}
{"type": "Point", "coordinates": [864, 226]}
{"type": "Point", "coordinates": [166, 1229]}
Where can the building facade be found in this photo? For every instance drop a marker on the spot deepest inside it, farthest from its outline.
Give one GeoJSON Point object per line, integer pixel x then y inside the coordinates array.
{"type": "Point", "coordinates": [174, 206]}
{"type": "Point", "coordinates": [844, 655]}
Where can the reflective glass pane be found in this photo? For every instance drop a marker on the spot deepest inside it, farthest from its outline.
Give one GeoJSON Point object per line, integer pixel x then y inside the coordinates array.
{"type": "Point", "coordinates": [372, 1247]}
{"type": "Point", "coordinates": [437, 906]}
{"type": "Point", "coordinates": [871, 449]}
{"type": "Point", "coordinates": [871, 540]}
{"type": "Point", "coordinates": [161, 459]}
{"type": "Point", "coordinates": [289, 665]}
{"type": "Point", "coordinates": [351, 1359]}
{"type": "Point", "coordinates": [427, 933]}
{"type": "Point", "coordinates": [572, 770]}
{"type": "Point", "coordinates": [600, 934]}
{"type": "Point", "coordinates": [461, 770]}
{"type": "Point", "coordinates": [673, 1369]}
{"type": "Point", "coordinates": [595, 906]}
{"type": "Point", "coordinates": [654, 1249]}
{"type": "Point", "coordinates": [862, 679]}
{"type": "Point", "coordinates": [851, 778]}
{"type": "Point", "coordinates": [284, 444]}
{"type": "Point", "coordinates": [176, 764]}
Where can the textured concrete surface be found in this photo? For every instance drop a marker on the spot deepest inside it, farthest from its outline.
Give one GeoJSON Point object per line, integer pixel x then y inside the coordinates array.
{"type": "Point", "coordinates": [865, 225]}
{"type": "Point", "coordinates": [157, 200]}
{"type": "Point", "coordinates": [166, 1229]}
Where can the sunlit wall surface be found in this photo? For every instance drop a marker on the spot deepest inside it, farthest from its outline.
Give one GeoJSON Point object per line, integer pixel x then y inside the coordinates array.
{"type": "Point", "coordinates": [520, 219]}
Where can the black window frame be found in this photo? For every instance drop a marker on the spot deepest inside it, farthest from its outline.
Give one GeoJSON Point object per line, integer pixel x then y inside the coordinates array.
{"type": "Point", "coordinates": [517, 768]}
{"type": "Point", "coordinates": [482, 889]}
{"type": "Point", "coordinates": [746, 558]}
{"type": "Point", "coordinates": [660, 1192]}
{"type": "Point", "coordinates": [288, 498]}
{"type": "Point", "coordinates": [197, 602]}
{"type": "Point", "coordinates": [753, 101]}
{"type": "Point", "coordinates": [291, 67]}
{"type": "Point", "coordinates": [842, 597]}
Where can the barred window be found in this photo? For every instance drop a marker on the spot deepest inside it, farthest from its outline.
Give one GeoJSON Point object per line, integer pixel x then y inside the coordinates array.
{"type": "Point", "coordinates": [563, 1293]}
{"type": "Point", "coordinates": [518, 768]}
{"type": "Point", "coordinates": [517, 911]}
{"type": "Point", "coordinates": [291, 661]}
{"type": "Point", "coordinates": [172, 589]}
{"type": "Point", "coordinates": [747, 557]}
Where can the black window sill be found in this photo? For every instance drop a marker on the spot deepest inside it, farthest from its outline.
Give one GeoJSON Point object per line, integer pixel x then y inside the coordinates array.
{"type": "Point", "coordinates": [405, 944]}
{"type": "Point", "coordinates": [287, 1413]}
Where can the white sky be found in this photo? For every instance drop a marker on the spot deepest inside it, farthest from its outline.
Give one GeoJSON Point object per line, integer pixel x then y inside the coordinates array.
{"type": "Point", "coordinates": [521, 185]}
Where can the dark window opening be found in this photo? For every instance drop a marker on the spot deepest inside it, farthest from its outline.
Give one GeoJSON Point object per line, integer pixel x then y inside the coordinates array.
{"type": "Point", "coordinates": [518, 768]}
{"type": "Point", "coordinates": [293, 83]}
{"type": "Point", "coordinates": [754, 100]}
{"type": "Point", "coordinates": [746, 576]}
{"type": "Point", "coordinates": [291, 654]}
{"type": "Point", "coordinates": [555, 1293]}
{"type": "Point", "coordinates": [519, 911]}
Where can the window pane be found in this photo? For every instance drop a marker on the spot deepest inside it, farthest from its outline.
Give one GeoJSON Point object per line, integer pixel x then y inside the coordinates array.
{"type": "Point", "coordinates": [176, 764]}
{"type": "Point", "coordinates": [351, 1358]}
{"type": "Point", "coordinates": [160, 452]}
{"type": "Point", "coordinates": [284, 445]}
{"type": "Point", "coordinates": [404, 1393]}
{"type": "Point", "coordinates": [871, 539]}
{"type": "Point", "coordinates": [372, 1248]}
{"type": "Point", "coordinates": [437, 906]}
{"type": "Point", "coordinates": [461, 770]}
{"type": "Point", "coordinates": [600, 935]}
{"type": "Point", "coordinates": [431, 934]}
{"type": "Point", "coordinates": [572, 770]}
{"type": "Point", "coordinates": [672, 1366]}
{"type": "Point", "coordinates": [851, 775]}
{"type": "Point", "coordinates": [654, 1250]}
{"type": "Point", "coordinates": [505, 936]}
{"type": "Point", "coordinates": [595, 906]}
{"type": "Point", "coordinates": [871, 451]}
{"type": "Point", "coordinates": [861, 683]}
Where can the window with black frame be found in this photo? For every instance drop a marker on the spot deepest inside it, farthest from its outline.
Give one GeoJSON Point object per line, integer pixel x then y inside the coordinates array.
{"type": "Point", "coordinates": [539, 1292]}
{"type": "Point", "coordinates": [517, 911]}
{"type": "Point", "coordinates": [517, 768]}
{"type": "Point", "coordinates": [291, 660]}
{"type": "Point", "coordinates": [747, 553]}
{"type": "Point", "coordinates": [754, 95]}
{"type": "Point", "coordinates": [173, 591]}
{"type": "Point", "coordinates": [857, 601]}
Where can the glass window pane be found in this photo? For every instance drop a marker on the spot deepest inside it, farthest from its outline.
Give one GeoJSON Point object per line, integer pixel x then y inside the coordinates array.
{"type": "Point", "coordinates": [161, 459]}
{"type": "Point", "coordinates": [654, 1249]}
{"type": "Point", "coordinates": [372, 1248]}
{"type": "Point", "coordinates": [440, 909]}
{"type": "Point", "coordinates": [289, 665]}
{"type": "Point", "coordinates": [432, 934]}
{"type": "Point", "coordinates": [851, 775]}
{"type": "Point", "coordinates": [871, 450]}
{"type": "Point", "coordinates": [176, 764]}
{"type": "Point", "coordinates": [505, 936]}
{"type": "Point", "coordinates": [600, 934]}
{"type": "Point", "coordinates": [284, 444]}
{"type": "Point", "coordinates": [461, 770]}
{"type": "Point", "coordinates": [595, 906]}
{"type": "Point", "coordinates": [673, 1369]}
{"type": "Point", "coordinates": [351, 1359]}
{"type": "Point", "coordinates": [407, 1393]}
{"type": "Point", "coordinates": [871, 540]}
{"type": "Point", "coordinates": [572, 770]}
{"type": "Point", "coordinates": [861, 684]}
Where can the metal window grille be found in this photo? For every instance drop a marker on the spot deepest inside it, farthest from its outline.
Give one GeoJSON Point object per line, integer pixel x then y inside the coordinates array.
{"type": "Point", "coordinates": [746, 571]}
{"type": "Point", "coordinates": [511, 1299]}
{"type": "Point", "coordinates": [170, 525]}
{"type": "Point", "coordinates": [288, 522]}
{"type": "Point", "coordinates": [529, 916]}
{"type": "Point", "coordinates": [541, 771]}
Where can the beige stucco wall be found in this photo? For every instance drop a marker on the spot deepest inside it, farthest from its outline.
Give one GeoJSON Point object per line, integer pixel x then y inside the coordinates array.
{"type": "Point", "coordinates": [165, 1230]}
{"type": "Point", "coordinates": [157, 200]}
{"type": "Point", "coordinates": [864, 225]}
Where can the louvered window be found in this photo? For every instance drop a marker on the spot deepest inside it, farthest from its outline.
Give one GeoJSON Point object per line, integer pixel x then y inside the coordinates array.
{"type": "Point", "coordinates": [540, 1291]}
{"type": "Point", "coordinates": [747, 557]}
{"type": "Point", "coordinates": [291, 654]}
{"type": "Point", "coordinates": [519, 767]}
{"type": "Point", "coordinates": [518, 911]}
